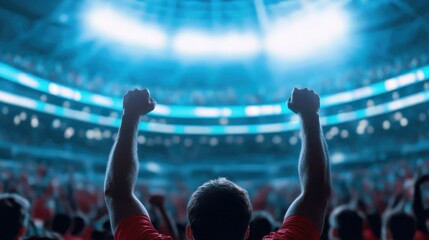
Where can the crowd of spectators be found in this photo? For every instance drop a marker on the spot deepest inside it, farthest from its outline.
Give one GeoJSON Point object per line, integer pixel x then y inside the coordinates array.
{"type": "Point", "coordinates": [69, 206]}
{"type": "Point", "coordinates": [265, 92]}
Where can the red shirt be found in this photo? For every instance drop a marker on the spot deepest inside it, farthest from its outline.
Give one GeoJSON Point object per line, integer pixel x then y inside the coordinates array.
{"type": "Point", "coordinates": [139, 227]}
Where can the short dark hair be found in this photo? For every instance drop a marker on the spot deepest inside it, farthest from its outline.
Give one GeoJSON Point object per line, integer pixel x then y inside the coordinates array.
{"type": "Point", "coordinates": [79, 224]}
{"type": "Point", "coordinates": [348, 222]}
{"type": "Point", "coordinates": [61, 223]}
{"type": "Point", "coordinates": [260, 225]}
{"type": "Point", "coordinates": [401, 226]}
{"type": "Point", "coordinates": [219, 209]}
{"type": "Point", "coordinates": [15, 211]}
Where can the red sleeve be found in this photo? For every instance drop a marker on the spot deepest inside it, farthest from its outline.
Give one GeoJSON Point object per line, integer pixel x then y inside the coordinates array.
{"type": "Point", "coordinates": [295, 228]}
{"type": "Point", "coordinates": [138, 227]}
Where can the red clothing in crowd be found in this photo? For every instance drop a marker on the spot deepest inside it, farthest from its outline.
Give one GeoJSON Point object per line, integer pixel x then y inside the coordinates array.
{"type": "Point", "coordinates": [420, 236]}
{"type": "Point", "coordinates": [368, 234]}
{"type": "Point", "coordinates": [139, 227]}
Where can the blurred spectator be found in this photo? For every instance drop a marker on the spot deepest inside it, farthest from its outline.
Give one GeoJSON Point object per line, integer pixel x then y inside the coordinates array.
{"type": "Point", "coordinates": [78, 225]}
{"type": "Point", "coordinates": [61, 224]}
{"type": "Point", "coordinates": [14, 216]}
{"type": "Point", "coordinates": [399, 226]}
{"type": "Point", "coordinates": [346, 224]}
{"type": "Point", "coordinates": [261, 225]}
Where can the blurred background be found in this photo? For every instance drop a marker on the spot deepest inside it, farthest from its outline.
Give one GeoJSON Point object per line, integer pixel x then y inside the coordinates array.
{"type": "Point", "coordinates": [221, 72]}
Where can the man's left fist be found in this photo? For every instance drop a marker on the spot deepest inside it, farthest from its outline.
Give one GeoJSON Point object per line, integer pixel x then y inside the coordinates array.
{"type": "Point", "coordinates": [138, 102]}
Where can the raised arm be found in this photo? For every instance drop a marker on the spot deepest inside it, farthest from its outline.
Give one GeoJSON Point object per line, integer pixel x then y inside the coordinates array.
{"type": "Point", "coordinates": [313, 166]}
{"type": "Point", "coordinates": [158, 201]}
{"type": "Point", "coordinates": [419, 211]}
{"type": "Point", "coordinates": [123, 166]}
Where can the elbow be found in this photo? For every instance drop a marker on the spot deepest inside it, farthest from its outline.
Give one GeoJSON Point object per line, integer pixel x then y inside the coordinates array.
{"type": "Point", "coordinates": [109, 194]}
{"type": "Point", "coordinates": [323, 193]}
{"type": "Point", "coordinates": [110, 191]}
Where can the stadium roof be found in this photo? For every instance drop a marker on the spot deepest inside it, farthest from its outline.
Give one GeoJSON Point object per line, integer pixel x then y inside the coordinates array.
{"type": "Point", "coordinates": [53, 28]}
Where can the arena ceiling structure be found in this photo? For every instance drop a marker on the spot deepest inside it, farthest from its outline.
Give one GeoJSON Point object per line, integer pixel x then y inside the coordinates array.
{"type": "Point", "coordinates": [62, 30]}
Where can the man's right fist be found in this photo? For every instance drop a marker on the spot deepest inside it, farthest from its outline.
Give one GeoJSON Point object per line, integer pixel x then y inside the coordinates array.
{"type": "Point", "coordinates": [304, 101]}
{"type": "Point", "coordinates": [138, 102]}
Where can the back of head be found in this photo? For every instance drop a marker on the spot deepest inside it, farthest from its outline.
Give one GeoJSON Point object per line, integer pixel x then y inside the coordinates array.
{"type": "Point", "coordinates": [401, 226]}
{"type": "Point", "coordinates": [61, 223]}
{"type": "Point", "coordinates": [14, 214]}
{"type": "Point", "coordinates": [260, 226]}
{"type": "Point", "coordinates": [107, 226]}
{"type": "Point", "coordinates": [79, 224]}
{"type": "Point", "coordinates": [219, 209]}
{"type": "Point", "coordinates": [347, 223]}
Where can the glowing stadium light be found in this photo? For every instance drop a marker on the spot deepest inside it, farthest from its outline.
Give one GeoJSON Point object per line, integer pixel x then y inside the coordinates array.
{"type": "Point", "coordinates": [195, 43]}
{"type": "Point", "coordinates": [403, 122]}
{"type": "Point", "coordinates": [56, 123]}
{"type": "Point", "coordinates": [344, 134]}
{"type": "Point", "coordinates": [223, 121]}
{"type": "Point", "coordinates": [213, 141]}
{"type": "Point", "coordinates": [34, 122]}
{"type": "Point", "coordinates": [262, 110]}
{"type": "Point", "coordinates": [107, 133]}
{"type": "Point", "coordinates": [370, 129]}
{"type": "Point", "coordinates": [293, 140]}
{"type": "Point", "coordinates": [277, 140]}
{"type": "Point", "coordinates": [386, 125]}
{"type": "Point", "coordinates": [211, 112]}
{"type": "Point", "coordinates": [305, 33]}
{"type": "Point", "coordinates": [338, 158]}
{"type": "Point", "coordinates": [69, 132]}
{"type": "Point", "coordinates": [141, 139]}
{"type": "Point", "coordinates": [66, 92]}
{"type": "Point", "coordinates": [16, 120]}
{"type": "Point", "coordinates": [9, 73]}
{"type": "Point", "coordinates": [5, 110]}
{"type": "Point", "coordinates": [153, 167]}
{"type": "Point", "coordinates": [23, 116]}
{"type": "Point", "coordinates": [259, 138]}
{"type": "Point", "coordinates": [27, 80]}
{"type": "Point", "coordinates": [120, 27]}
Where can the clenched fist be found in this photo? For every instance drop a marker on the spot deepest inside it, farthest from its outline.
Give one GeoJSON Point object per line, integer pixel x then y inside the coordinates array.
{"type": "Point", "coordinates": [138, 102]}
{"type": "Point", "coordinates": [157, 200]}
{"type": "Point", "coordinates": [304, 101]}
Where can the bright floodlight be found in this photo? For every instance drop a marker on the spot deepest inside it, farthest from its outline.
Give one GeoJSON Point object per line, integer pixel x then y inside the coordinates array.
{"type": "Point", "coordinates": [117, 26]}
{"type": "Point", "coordinates": [194, 43]}
{"type": "Point", "coordinates": [306, 33]}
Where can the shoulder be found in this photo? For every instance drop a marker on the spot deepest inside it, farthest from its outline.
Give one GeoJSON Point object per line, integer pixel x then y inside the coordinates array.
{"type": "Point", "coordinates": [297, 228]}
{"type": "Point", "coordinates": [138, 227]}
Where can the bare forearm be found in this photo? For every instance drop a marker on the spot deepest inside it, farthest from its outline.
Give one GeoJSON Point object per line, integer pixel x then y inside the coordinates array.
{"type": "Point", "coordinates": [123, 164]}
{"type": "Point", "coordinates": [314, 164]}
{"type": "Point", "coordinates": [170, 223]}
